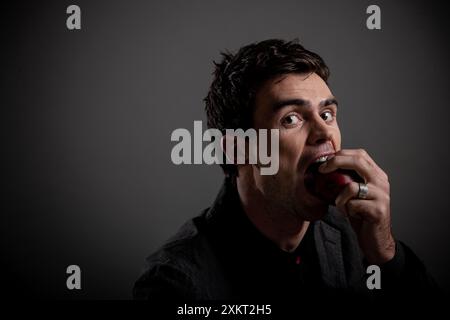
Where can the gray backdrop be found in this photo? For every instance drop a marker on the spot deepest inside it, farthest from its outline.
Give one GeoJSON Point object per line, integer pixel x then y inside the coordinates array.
{"type": "Point", "coordinates": [87, 117]}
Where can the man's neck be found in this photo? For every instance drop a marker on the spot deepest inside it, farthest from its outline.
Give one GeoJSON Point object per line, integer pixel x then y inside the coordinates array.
{"type": "Point", "coordinates": [283, 228]}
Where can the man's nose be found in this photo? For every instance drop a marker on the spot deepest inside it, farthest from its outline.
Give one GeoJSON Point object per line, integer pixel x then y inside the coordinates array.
{"type": "Point", "coordinates": [320, 132]}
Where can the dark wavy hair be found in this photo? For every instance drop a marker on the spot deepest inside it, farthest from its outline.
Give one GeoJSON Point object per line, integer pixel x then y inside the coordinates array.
{"type": "Point", "coordinates": [237, 77]}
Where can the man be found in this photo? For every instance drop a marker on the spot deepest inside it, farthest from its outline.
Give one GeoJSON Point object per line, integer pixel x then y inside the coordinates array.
{"type": "Point", "coordinates": [268, 236]}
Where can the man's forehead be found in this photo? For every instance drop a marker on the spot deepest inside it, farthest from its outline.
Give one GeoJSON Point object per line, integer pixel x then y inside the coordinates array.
{"type": "Point", "coordinates": [306, 86]}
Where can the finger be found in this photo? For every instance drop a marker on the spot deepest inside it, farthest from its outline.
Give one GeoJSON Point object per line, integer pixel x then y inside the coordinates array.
{"type": "Point", "coordinates": [363, 153]}
{"type": "Point", "coordinates": [355, 152]}
{"type": "Point", "coordinates": [351, 191]}
{"type": "Point", "coordinates": [358, 164]}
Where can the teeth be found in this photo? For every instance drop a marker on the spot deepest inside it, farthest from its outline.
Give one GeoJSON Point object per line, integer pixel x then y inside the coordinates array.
{"type": "Point", "coordinates": [322, 159]}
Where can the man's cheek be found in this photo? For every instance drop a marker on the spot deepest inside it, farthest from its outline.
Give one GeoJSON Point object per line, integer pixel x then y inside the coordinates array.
{"type": "Point", "coordinates": [287, 166]}
{"type": "Point", "coordinates": [337, 139]}
{"type": "Point", "coordinates": [288, 155]}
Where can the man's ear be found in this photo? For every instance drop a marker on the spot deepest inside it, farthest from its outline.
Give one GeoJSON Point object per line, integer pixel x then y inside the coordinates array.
{"type": "Point", "coordinates": [234, 152]}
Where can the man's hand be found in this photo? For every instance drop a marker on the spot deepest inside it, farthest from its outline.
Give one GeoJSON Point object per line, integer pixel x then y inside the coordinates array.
{"type": "Point", "coordinates": [370, 217]}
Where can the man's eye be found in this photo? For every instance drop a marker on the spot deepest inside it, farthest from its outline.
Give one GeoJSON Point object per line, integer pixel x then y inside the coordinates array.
{"type": "Point", "coordinates": [291, 120]}
{"type": "Point", "coordinates": [327, 116]}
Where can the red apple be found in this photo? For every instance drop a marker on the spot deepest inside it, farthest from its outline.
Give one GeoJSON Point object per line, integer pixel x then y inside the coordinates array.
{"type": "Point", "coordinates": [327, 186]}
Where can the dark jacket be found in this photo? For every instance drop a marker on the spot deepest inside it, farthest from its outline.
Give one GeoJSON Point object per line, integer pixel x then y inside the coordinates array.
{"type": "Point", "coordinates": [220, 255]}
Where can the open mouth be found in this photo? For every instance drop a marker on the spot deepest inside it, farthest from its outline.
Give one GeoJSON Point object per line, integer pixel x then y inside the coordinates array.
{"type": "Point", "coordinates": [327, 186]}
{"type": "Point", "coordinates": [315, 164]}
{"type": "Point", "coordinates": [322, 159]}
{"type": "Point", "coordinates": [311, 174]}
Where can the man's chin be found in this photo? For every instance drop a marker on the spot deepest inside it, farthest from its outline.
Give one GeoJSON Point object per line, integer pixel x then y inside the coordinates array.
{"type": "Point", "coordinates": [316, 208]}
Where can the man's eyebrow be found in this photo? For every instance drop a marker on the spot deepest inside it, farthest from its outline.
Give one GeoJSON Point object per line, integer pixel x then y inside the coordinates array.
{"type": "Point", "coordinates": [302, 103]}
{"type": "Point", "coordinates": [328, 102]}
{"type": "Point", "coordinates": [290, 102]}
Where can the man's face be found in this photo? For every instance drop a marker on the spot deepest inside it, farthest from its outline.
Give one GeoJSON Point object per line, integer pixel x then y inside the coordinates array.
{"type": "Point", "coordinates": [304, 110]}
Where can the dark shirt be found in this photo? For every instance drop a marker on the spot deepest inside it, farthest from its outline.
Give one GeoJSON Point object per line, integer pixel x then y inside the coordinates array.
{"type": "Point", "coordinates": [220, 255]}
